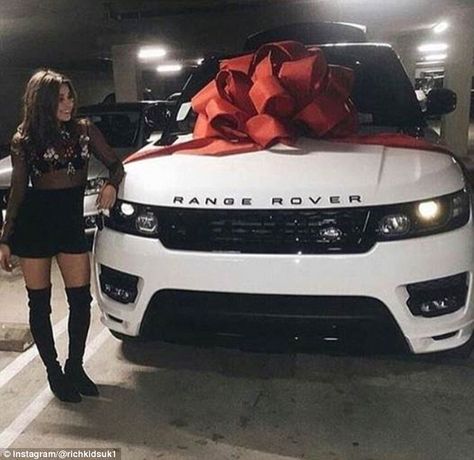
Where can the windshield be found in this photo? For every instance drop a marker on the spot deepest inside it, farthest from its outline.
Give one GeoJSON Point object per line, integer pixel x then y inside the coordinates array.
{"type": "Point", "coordinates": [382, 92]}
{"type": "Point", "coordinates": [120, 129]}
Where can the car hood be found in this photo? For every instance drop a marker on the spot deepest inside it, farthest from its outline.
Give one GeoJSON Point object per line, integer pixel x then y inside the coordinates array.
{"type": "Point", "coordinates": [310, 174]}
{"type": "Point", "coordinates": [96, 169]}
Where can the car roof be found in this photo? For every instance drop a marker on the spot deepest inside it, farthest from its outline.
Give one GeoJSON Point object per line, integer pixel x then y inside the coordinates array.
{"type": "Point", "coordinates": [308, 33]}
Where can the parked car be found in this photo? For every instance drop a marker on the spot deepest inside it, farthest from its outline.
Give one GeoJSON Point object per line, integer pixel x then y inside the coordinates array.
{"type": "Point", "coordinates": [126, 127]}
{"type": "Point", "coordinates": [318, 239]}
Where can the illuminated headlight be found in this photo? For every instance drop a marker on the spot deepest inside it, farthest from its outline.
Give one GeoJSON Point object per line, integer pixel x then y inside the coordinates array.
{"type": "Point", "coordinates": [427, 217]}
{"type": "Point", "coordinates": [94, 185]}
{"type": "Point", "coordinates": [147, 223]}
{"type": "Point", "coordinates": [126, 209]}
{"type": "Point", "coordinates": [429, 210]}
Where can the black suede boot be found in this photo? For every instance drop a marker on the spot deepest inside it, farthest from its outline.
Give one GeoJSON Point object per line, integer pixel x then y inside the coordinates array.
{"type": "Point", "coordinates": [79, 299]}
{"type": "Point", "coordinates": [42, 332]}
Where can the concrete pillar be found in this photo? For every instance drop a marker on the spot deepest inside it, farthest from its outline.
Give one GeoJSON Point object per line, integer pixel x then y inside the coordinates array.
{"type": "Point", "coordinates": [406, 49]}
{"type": "Point", "coordinates": [458, 76]}
{"type": "Point", "coordinates": [127, 73]}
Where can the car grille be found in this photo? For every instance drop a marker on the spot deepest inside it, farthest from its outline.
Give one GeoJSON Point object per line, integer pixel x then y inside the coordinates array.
{"type": "Point", "coordinates": [266, 231]}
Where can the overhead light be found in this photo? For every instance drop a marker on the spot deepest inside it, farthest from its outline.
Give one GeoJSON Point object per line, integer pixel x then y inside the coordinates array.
{"type": "Point", "coordinates": [430, 47]}
{"type": "Point", "coordinates": [199, 61]}
{"type": "Point", "coordinates": [440, 27]}
{"type": "Point", "coordinates": [435, 57]}
{"type": "Point", "coordinates": [151, 52]}
{"type": "Point", "coordinates": [169, 68]}
{"type": "Point", "coordinates": [431, 63]}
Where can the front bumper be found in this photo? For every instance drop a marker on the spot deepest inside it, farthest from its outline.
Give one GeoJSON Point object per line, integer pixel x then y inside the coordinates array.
{"type": "Point", "coordinates": [381, 274]}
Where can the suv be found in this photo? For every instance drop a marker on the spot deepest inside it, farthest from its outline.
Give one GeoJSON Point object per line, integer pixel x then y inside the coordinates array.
{"type": "Point", "coordinates": [320, 240]}
{"type": "Point", "coordinates": [126, 126]}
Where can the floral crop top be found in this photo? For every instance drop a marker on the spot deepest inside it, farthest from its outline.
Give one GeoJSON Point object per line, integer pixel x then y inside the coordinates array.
{"type": "Point", "coordinates": [64, 164]}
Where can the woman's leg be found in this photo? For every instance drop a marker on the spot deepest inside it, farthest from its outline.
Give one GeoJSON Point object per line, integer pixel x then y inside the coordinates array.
{"type": "Point", "coordinates": [75, 270]}
{"type": "Point", "coordinates": [37, 274]}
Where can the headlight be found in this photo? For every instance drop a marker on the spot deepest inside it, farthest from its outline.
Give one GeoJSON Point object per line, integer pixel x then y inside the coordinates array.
{"type": "Point", "coordinates": [384, 223]}
{"type": "Point", "coordinates": [147, 223]}
{"type": "Point", "coordinates": [94, 185]}
{"type": "Point", "coordinates": [133, 218]}
{"type": "Point", "coordinates": [427, 217]}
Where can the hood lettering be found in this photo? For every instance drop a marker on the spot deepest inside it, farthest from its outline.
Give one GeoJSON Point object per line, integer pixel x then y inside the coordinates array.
{"type": "Point", "coordinates": [274, 201]}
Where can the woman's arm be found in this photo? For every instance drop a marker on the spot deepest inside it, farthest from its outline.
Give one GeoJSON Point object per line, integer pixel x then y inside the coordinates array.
{"type": "Point", "coordinates": [19, 183]}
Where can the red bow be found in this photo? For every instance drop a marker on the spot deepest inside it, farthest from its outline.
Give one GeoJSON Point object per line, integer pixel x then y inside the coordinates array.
{"type": "Point", "coordinates": [271, 96]}
{"type": "Point", "coordinates": [262, 99]}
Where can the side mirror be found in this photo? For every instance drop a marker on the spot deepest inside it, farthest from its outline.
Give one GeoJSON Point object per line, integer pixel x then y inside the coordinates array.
{"type": "Point", "coordinates": [440, 101]}
{"type": "Point", "coordinates": [150, 124]}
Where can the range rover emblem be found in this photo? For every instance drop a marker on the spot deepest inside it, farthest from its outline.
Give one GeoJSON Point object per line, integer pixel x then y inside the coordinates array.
{"type": "Point", "coordinates": [330, 233]}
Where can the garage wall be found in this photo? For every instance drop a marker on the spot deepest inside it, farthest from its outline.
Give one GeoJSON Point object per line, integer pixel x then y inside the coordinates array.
{"type": "Point", "coordinates": [91, 86]}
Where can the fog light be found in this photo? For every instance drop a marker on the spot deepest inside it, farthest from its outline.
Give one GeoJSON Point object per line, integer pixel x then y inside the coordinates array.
{"type": "Point", "coordinates": [118, 294]}
{"type": "Point", "coordinates": [394, 225]}
{"type": "Point", "coordinates": [439, 296]}
{"type": "Point", "coordinates": [147, 223]}
{"type": "Point", "coordinates": [439, 305]}
{"type": "Point", "coordinates": [119, 286]}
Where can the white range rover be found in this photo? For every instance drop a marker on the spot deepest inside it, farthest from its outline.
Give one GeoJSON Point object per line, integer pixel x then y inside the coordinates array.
{"type": "Point", "coordinates": [319, 240]}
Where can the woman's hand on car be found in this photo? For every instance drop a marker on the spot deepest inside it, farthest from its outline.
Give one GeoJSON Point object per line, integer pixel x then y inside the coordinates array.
{"type": "Point", "coordinates": [107, 197]}
{"type": "Point", "coordinates": [5, 258]}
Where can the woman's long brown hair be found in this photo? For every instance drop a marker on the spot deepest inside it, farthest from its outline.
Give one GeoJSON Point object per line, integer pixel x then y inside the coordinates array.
{"type": "Point", "coordinates": [39, 127]}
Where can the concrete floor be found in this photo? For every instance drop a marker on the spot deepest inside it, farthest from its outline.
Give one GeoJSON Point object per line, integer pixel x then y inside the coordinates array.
{"type": "Point", "coordinates": [181, 402]}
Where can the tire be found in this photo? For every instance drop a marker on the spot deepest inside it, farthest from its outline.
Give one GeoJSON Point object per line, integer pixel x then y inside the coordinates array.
{"type": "Point", "coordinates": [127, 338]}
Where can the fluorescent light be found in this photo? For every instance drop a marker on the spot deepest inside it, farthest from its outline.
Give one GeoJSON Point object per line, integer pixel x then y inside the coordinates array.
{"type": "Point", "coordinates": [429, 47]}
{"type": "Point", "coordinates": [169, 68]}
{"type": "Point", "coordinates": [440, 27]}
{"type": "Point", "coordinates": [151, 52]}
{"type": "Point", "coordinates": [199, 61]}
{"type": "Point", "coordinates": [435, 57]}
{"type": "Point", "coordinates": [430, 63]}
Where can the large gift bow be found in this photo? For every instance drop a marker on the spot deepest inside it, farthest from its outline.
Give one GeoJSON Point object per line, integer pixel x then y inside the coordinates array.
{"type": "Point", "coordinates": [272, 96]}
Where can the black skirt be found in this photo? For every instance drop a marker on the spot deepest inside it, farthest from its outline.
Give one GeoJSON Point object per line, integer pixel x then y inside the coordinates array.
{"type": "Point", "coordinates": [50, 222]}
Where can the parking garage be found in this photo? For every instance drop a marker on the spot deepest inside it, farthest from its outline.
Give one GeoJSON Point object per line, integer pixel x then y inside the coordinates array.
{"type": "Point", "coordinates": [290, 300]}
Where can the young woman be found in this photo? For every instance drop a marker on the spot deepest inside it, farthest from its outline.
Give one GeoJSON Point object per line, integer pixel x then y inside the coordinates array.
{"type": "Point", "coordinates": [52, 149]}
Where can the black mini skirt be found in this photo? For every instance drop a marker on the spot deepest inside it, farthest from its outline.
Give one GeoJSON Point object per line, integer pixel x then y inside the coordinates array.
{"type": "Point", "coordinates": [50, 222]}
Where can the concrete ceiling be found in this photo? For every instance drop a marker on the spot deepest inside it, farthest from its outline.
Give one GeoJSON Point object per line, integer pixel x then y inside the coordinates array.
{"type": "Point", "coordinates": [80, 33]}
